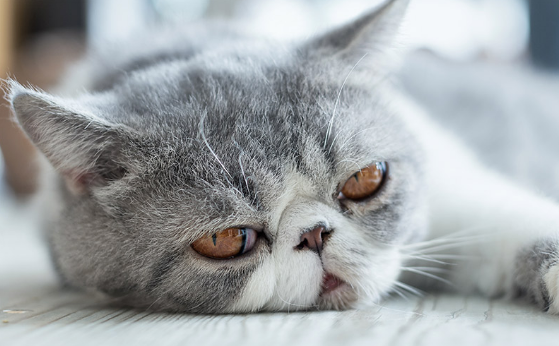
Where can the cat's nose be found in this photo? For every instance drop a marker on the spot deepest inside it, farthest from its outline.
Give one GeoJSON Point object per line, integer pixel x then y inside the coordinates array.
{"type": "Point", "coordinates": [313, 239]}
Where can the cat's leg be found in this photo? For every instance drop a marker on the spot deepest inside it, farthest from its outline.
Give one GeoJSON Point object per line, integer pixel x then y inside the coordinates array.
{"type": "Point", "coordinates": [504, 239]}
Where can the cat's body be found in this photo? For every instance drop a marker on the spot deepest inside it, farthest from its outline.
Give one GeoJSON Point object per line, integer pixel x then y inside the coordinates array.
{"type": "Point", "coordinates": [506, 114]}
{"type": "Point", "coordinates": [171, 146]}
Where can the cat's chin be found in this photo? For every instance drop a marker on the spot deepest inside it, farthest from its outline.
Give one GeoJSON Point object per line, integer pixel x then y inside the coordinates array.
{"type": "Point", "coordinates": [330, 283]}
{"type": "Point", "coordinates": [336, 294]}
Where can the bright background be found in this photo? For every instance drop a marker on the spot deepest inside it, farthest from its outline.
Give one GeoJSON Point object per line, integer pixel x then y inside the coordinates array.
{"type": "Point", "coordinates": [458, 29]}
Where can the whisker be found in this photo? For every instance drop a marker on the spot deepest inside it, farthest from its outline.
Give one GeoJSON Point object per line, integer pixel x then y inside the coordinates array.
{"type": "Point", "coordinates": [398, 292]}
{"type": "Point", "coordinates": [440, 244]}
{"type": "Point", "coordinates": [468, 232]}
{"type": "Point", "coordinates": [432, 276]}
{"type": "Point", "coordinates": [201, 130]}
{"type": "Point", "coordinates": [427, 259]}
{"type": "Point", "coordinates": [241, 164]}
{"type": "Point", "coordinates": [152, 304]}
{"type": "Point", "coordinates": [427, 269]}
{"type": "Point", "coordinates": [331, 122]}
{"type": "Point", "coordinates": [357, 165]}
{"type": "Point", "coordinates": [444, 240]}
{"type": "Point", "coordinates": [296, 305]}
{"type": "Point", "coordinates": [444, 247]}
{"type": "Point", "coordinates": [449, 256]}
{"type": "Point", "coordinates": [353, 136]}
{"type": "Point", "coordinates": [409, 288]}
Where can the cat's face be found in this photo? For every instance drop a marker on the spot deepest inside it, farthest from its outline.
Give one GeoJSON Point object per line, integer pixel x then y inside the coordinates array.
{"type": "Point", "coordinates": [227, 182]}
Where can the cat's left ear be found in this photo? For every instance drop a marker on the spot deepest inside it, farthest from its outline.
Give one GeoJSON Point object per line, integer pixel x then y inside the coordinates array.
{"type": "Point", "coordinates": [83, 147]}
{"type": "Point", "coordinates": [373, 34]}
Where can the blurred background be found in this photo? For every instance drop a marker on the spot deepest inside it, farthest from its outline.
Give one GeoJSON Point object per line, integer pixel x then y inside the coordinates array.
{"type": "Point", "coordinates": [39, 38]}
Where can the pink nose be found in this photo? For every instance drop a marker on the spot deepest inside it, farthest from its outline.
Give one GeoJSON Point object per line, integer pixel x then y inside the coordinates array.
{"type": "Point", "coordinates": [312, 239]}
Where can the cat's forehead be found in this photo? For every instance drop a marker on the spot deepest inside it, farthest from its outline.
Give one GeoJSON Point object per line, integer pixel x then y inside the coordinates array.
{"type": "Point", "coordinates": [262, 95]}
{"type": "Point", "coordinates": [246, 123]}
{"type": "Point", "coordinates": [236, 84]}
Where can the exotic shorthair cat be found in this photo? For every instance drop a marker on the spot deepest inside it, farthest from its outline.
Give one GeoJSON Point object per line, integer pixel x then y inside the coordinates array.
{"type": "Point", "coordinates": [206, 171]}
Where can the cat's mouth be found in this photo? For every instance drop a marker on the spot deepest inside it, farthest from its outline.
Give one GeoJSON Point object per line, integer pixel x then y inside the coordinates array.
{"type": "Point", "coordinates": [330, 283]}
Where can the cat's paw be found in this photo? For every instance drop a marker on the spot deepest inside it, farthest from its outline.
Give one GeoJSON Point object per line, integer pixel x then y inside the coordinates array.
{"type": "Point", "coordinates": [537, 274]}
{"type": "Point", "coordinates": [551, 281]}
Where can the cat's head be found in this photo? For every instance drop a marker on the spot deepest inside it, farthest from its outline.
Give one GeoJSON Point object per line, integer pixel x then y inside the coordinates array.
{"type": "Point", "coordinates": [244, 178]}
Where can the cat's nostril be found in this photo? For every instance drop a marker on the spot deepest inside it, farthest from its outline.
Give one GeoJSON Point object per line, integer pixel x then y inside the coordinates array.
{"type": "Point", "coordinates": [302, 244]}
{"type": "Point", "coordinates": [314, 239]}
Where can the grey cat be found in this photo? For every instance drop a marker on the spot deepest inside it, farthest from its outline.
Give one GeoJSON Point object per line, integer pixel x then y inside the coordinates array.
{"type": "Point", "coordinates": [207, 171]}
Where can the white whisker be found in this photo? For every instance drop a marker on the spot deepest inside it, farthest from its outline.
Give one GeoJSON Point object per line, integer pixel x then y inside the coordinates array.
{"type": "Point", "coordinates": [201, 130]}
{"type": "Point", "coordinates": [444, 240]}
{"type": "Point", "coordinates": [409, 288]}
{"type": "Point", "coordinates": [398, 292]}
{"type": "Point", "coordinates": [241, 164]}
{"type": "Point", "coordinates": [353, 136]}
{"type": "Point", "coordinates": [432, 276]}
{"type": "Point", "coordinates": [430, 269]}
{"type": "Point", "coordinates": [426, 259]}
{"type": "Point", "coordinates": [289, 304]}
{"type": "Point", "coordinates": [331, 122]}
{"type": "Point", "coordinates": [443, 247]}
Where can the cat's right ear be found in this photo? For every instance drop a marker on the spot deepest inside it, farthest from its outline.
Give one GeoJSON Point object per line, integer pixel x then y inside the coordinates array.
{"type": "Point", "coordinates": [371, 36]}
{"type": "Point", "coordinates": [82, 147]}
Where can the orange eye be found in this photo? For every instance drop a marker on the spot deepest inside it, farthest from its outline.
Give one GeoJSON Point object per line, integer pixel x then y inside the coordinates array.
{"type": "Point", "coordinates": [226, 244]}
{"type": "Point", "coordinates": [364, 183]}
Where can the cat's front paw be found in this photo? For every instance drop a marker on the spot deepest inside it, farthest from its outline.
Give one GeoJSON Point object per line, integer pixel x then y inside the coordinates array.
{"type": "Point", "coordinates": [537, 274]}
{"type": "Point", "coordinates": [551, 282]}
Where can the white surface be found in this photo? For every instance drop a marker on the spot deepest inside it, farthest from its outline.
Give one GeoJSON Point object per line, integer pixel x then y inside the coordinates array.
{"type": "Point", "coordinates": [42, 313]}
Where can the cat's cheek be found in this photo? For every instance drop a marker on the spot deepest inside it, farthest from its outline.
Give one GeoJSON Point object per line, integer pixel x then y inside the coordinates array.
{"type": "Point", "coordinates": [551, 280]}
{"type": "Point", "coordinates": [378, 280]}
{"type": "Point", "coordinates": [257, 291]}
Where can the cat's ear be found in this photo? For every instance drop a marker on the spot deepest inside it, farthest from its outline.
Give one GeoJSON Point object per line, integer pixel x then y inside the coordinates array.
{"type": "Point", "coordinates": [372, 35]}
{"type": "Point", "coordinates": [82, 147]}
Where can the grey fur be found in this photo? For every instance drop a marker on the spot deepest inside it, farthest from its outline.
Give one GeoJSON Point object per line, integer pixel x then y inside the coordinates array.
{"type": "Point", "coordinates": [189, 132]}
{"type": "Point", "coordinates": [180, 142]}
{"type": "Point", "coordinates": [531, 265]}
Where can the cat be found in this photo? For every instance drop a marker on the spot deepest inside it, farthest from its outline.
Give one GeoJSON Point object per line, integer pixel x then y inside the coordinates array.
{"type": "Point", "coordinates": [207, 171]}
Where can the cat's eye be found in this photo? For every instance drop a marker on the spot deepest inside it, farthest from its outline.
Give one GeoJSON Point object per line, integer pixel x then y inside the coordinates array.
{"type": "Point", "coordinates": [226, 244]}
{"type": "Point", "coordinates": [364, 183]}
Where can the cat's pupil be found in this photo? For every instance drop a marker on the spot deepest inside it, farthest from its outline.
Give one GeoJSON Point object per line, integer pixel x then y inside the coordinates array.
{"type": "Point", "coordinates": [244, 240]}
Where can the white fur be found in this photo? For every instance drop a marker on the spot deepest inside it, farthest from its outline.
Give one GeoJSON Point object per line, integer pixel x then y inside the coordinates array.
{"type": "Point", "coordinates": [258, 291]}
{"type": "Point", "coordinates": [291, 280]}
{"type": "Point", "coordinates": [298, 275]}
{"type": "Point", "coordinates": [465, 196]}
